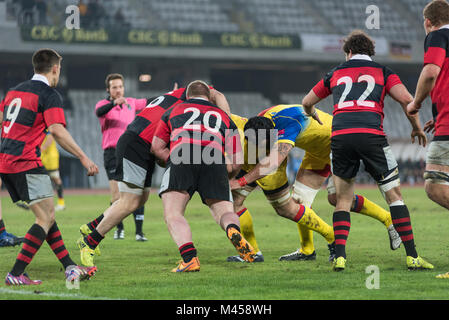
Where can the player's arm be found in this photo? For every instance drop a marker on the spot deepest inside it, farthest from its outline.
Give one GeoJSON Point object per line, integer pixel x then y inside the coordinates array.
{"type": "Point", "coordinates": [400, 93]}
{"type": "Point", "coordinates": [220, 100]}
{"type": "Point", "coordinates": [434, 56]}
{"type": "Point", "coordinates": [426, 82]}
{"type": "Point", "coordinates": [266, 166]}
{"type": "Point", "coordinates": [66, 141]}
{"type": "Point", "coordinates": [159, 148]}
{"type": "Point", "coordinates": [309, 102]}
{"type": "Point", "coordinates": [102, 110]}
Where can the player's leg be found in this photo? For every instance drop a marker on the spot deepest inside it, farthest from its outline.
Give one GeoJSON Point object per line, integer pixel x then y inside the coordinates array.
{"type": "Point", "coordinates": [437, 173]}
{"type": "Point", "coordinates": [130, 199]}
{"type": "Point", "coordinates": [341, 219]}
{"type": "Point", "coordinates": [174, 203]}
{"type": "Point", "coordinates": [246, 221]}
{"type": "Point", "coordinates": [305, 188]}
{"type": "Point", "coordinates": [366, 207]}
{"type": "Point", "coordinates": [7, 239]}
{"type": "Point", "coordinates": [56, 178]}
{"type": "Point", "coordinates": [381, 164]}
{"type": "Point", "coordinates": [286, 207]}
{"type": "Point", "coordinates": [115, 195]}
{"type": "Point", "coordinates": [223, 213]}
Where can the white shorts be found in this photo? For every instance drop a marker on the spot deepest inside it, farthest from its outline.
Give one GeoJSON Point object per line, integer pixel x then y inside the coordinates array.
{"type": "Point", "coordinates": [438, 153]}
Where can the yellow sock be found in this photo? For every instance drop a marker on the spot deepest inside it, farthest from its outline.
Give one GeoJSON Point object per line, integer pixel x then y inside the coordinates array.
{"type": "Point", "coordinates": [61, 201]}
{"type": "Point", "coordinates": [307, 217]}
{"type": "Point", "coordinates": [246, 226]}
{"type": "Point", "coordinates": [364, 206]}
{"type": "Point", "coordinates": [306, 239]}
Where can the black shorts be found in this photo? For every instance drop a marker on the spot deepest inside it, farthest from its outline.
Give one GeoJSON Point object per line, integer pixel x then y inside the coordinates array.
{"type": "Point", "coordinates": [349, 149]}
{"type": "Point", "coordinates": [135, 162]}
{"type": "Point", "coordinates": [210, 181]}
{"type": "Point", "coordinates": [110, 163]}
{"type": "Point", "coordinates": [28, 186]}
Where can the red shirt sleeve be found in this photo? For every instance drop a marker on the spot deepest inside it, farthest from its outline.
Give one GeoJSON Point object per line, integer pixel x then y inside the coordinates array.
{"type": "Point", "coordinates": [392, 80]}
{"type": "Point", "coordinates": [53, 111]}
{"type": "Point", "coordinates": [2, 106]}
{"type": "Point", "coordinates": [321, 90]}
{"type": "Point", "coordinates": [435, 49]}
{"type": "Point", "coordinates": [163, 131]}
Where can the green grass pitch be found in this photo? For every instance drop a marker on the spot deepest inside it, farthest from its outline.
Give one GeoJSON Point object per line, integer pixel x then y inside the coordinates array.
{"type": "Point", "coordinates": [134, 270]}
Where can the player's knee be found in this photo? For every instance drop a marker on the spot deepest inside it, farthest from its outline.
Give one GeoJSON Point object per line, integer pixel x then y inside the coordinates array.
{"type": "Point", "coordinates": [332, 199]}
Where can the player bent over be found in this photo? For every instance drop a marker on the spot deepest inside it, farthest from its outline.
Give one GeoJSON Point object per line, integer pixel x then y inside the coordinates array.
{"type": "Point", "coordinates": [30, 108]}
{"type": "Point", "coordinates": [178, 142]}
{"type": "Point", "coordinates": [135, 166]}
{"type": "Point", "coordinates": [357, 135]}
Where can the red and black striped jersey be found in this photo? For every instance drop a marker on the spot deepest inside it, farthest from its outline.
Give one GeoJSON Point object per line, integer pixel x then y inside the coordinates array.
{"type": "Point", "coordinates": [28, 110]}
{"type": "Point", "coordinates": [436, 48]}
{"type": "Point", "coordinates": [146, 121]}
{"type": "Point", "coordinates": [198, 132]}
{"type": "Point", "coordinates": [358, 87]}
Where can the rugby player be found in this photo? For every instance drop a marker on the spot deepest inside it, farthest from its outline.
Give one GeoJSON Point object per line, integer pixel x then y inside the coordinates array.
{"type": "Point", "coordinates": [359, 86]}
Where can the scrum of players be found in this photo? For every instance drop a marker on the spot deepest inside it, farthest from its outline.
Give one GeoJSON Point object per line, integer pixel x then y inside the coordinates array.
{"type": "Point", "coordinates": [206, 148]}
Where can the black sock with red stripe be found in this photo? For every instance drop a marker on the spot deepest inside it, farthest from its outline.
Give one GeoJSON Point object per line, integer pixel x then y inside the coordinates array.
{"type": "Point", "coordinates": [93, 239]}
{"type": "Point", "coordinates": [94, 223]}
{"type": "Point", "coordinates": [187, 251]}
{"type": "Point", "coordinates": [33, 241]}
{"type": "Point", "coordinates": [54, 239]}
{"type": "Point", "coordinates": [342, 224]}
{"type": "Point", "coordinates": [402, 224]}
{"type": "Point", "coordinates": [2, 226]}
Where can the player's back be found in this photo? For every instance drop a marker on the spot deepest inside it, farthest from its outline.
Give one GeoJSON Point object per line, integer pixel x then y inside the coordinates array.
{"type": "Point", "coordinates": [202, 128]}
{"type": "Point", "coordinates": [358, 86]}
{"type": "Point", "coordinates": [145, 123]}
{"type": "Point", "coordinates": [28, 109]}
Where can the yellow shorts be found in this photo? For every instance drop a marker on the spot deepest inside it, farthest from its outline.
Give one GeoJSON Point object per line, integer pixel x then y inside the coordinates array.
{"type": "Point", "coordinates": [316, 141]}
{"type": "Point", "coordinates": [273, 182]}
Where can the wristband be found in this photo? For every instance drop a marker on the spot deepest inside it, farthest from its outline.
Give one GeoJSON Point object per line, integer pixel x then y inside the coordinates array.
{"type": "Point", "coordinates": [242, 181]}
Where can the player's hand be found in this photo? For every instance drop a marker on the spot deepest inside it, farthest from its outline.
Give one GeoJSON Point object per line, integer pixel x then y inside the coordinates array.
{"type": "Point", "coordinates": [315, 117]}
{"type": "Point", "coordinates": [420, 135]}
{"type": "Point", "coordinates": [175, 86]}
{"type": "Point", "coordinates": [119, 101]}
{"type": "Point", "coordinates": [90, 166]}
{"type": "Point", "coordinates": [234, 184]}
{"type": "Point", "coordinates": [429, 126]}
{"type": "Point", "coordinates": [413, 108]}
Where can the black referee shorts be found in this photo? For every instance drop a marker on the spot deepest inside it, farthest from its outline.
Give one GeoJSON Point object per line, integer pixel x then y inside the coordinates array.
{"type": "Point", "coordinates": [347, 150]}
{"type": "Point", "coordinates": [110, 163]}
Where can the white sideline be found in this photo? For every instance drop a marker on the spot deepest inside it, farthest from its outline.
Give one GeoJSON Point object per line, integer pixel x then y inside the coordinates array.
{"type": "Point", "coordinates": [56, 295]}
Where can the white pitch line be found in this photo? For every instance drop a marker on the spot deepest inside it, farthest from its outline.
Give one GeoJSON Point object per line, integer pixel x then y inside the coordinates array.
{"type": "Point", "coordinates": [56, 295]}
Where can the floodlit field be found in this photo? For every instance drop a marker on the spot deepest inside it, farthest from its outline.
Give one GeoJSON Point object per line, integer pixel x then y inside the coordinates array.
{"type": "Point", "coordinates": [134, 270]}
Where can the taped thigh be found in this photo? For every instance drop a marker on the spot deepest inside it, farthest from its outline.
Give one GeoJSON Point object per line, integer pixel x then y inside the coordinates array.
{"type": "Point", "coordinates": [436, 177]}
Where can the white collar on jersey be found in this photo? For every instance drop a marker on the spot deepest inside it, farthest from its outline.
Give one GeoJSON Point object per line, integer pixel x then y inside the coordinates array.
{"type": "Point", "coordinates": [39, 77]}
{"type": "Point", "coordinates": [361, 57]}
{"type": "Point", "coordinates": [446, 26]}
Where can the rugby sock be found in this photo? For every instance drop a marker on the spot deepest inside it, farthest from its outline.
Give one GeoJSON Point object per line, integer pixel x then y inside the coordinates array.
{"type": "Point", "coordinates": [231, 225]}
{"type": "Point", "coordinates": [366, 207]}
{"type": "Point", "coordinates": [306, 239]}
{"type": "Point", "coordinates": [2, 226]}
{"type": "Point", "coordinates": [307, 217]}
{"type": "Point", "coordinates": [54, 239]}
{"type": "Point", "coordinates": [33, 241]}
{"type": "Point", "coordinates": [402, 224]}
{"type": "Point", "coordinates": [342, 223]}
{"type": "Point", "coordinates": [138, 219]}
{"type": "Point", "coordinates": [187, 251]}
{"type": "Point", "coordinates": [60, 192]}
{"type": "Point", "coordinates": [246, 225]}
{"type": "Point", "coordinates": [94, 223]}
{"type": "Point", "coordinates": [93, 239]}
{"type": "Point", "coordinates": [120, 225]}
